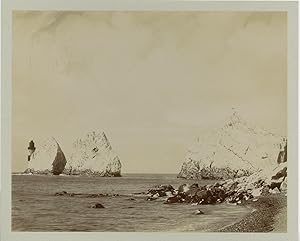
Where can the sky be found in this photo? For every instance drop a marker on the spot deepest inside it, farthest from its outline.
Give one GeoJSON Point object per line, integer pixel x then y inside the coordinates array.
{"type": "Point", "coordinates": [152, 81]}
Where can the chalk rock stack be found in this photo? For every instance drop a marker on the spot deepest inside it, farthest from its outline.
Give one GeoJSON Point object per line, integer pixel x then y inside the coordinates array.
{"type": "Point", "coordinates": [235, 150]}
{"type": "Point", "coordinates": [45, 158]}
{"type": "Point", "coordinates": [90, 155]}
{"type": "Point", "coordinates": [93, 155]}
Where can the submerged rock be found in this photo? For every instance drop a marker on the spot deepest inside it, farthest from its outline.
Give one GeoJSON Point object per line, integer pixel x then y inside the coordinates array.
{"type": "Point", "coordinates": [85, 195]}
{"type": "Point", "coordinates": [198, 212]}
{"type": "Point", "coordinates": [97, 205]}
{"type": "Point", "coordinates": [62, 193]}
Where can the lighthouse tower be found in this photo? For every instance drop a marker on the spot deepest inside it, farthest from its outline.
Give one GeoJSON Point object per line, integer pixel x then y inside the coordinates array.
{"type": "Point", "coordinates": [31, 149]}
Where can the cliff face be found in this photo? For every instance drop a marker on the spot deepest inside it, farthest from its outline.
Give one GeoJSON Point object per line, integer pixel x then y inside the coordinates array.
{"type": "Point", "coordinates": [59, 163]}
{"type": "Point", "coordinates": [234, 150]}
{"type": "Point", "coordinates": [93, 155]}
{"type": "Point", "coordinates": [46, 158]}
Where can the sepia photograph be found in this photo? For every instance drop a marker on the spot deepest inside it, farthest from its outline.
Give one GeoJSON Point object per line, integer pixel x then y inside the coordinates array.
{"type": "Point", "coordinates": [149, 121]}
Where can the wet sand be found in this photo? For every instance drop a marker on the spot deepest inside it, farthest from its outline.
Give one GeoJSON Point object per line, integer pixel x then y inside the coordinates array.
{"type": "Point", "coordinates": [269, 215]}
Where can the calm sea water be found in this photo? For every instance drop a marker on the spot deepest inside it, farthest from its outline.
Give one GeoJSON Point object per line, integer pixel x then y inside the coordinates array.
{"type": "Point", "coordinates": [36, 208]}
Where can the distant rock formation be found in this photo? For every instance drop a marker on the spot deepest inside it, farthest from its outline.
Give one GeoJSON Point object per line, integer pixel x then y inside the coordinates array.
{"type": "Point", "coordinates": [235, 150]}
{"type": "Point", "coordinates": [93, 155]}
{"type": "Point", "coordinates": [46, 158]}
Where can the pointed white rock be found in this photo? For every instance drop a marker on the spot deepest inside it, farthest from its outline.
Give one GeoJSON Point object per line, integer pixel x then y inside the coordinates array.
{"type": "Point", "coordinates": [93, 155]}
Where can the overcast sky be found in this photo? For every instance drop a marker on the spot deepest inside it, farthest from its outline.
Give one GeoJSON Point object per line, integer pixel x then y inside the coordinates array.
{"type": "Point", "coordinates": [152, 81]}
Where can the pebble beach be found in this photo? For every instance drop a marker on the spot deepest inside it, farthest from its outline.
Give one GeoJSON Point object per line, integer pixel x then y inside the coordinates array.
{"type": "Point", "coordinates": [269, 215]}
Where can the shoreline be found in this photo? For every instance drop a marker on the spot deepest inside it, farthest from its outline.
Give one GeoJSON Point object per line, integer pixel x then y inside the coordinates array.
{"type": "Point", "coordinates": [269, 214]}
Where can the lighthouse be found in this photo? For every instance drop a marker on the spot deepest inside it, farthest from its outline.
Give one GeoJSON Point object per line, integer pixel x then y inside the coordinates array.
{"type": "Point", "coordinates": [31, 149]}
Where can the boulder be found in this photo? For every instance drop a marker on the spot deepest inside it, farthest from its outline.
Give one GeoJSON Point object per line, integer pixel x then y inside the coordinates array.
{"type": "Point", "coordinates": [154, 197]}
{"type": "Point", "coordinates": [257, 192]}
{"type": "Point", "coordinates": [201, 196]}
{"type": "Point", "coordinates": [283, 185]}
{"type": "Point", "coordinates": [274, 191]}
{"type": "Point", "coordinates": [183, 188]}
{"type": "Point", "coordinates": [176, 199]}
{"type": "Point", "coordinates": [280, 172]}
{"type": "Point", "coordinates": [161, 190]}
{"type": "Point", "coordinates": [278, 175]}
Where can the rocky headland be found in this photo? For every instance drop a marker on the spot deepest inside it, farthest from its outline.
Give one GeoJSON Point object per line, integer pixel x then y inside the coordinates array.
{"type": "Point", "coordinates": [236, 149]}
{"type": "Point", "coordinates": [250, 165]}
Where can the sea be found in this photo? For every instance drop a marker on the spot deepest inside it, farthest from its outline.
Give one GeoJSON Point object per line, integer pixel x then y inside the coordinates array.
{"type": "Point", "coordinates": [35, 207]}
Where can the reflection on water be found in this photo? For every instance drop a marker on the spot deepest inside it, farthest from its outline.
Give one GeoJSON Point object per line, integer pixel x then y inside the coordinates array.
{"type": "Point", "coordinates": [35, 208]}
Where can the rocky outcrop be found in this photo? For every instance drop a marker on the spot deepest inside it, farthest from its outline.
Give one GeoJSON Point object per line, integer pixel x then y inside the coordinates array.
{"type": "Point", "coordinates": [45, 158]}
{"type": "Point", "coordinates": [235, 150]}
{"type": "Point", "coordinates": [85, 195]}
{"type": "Point", "coordinates": [93, 155]}
{"type": "Point", "coordinates": [235, 191]}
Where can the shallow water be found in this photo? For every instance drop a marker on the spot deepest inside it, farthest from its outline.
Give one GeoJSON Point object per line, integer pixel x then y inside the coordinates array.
{"type": "Point", "coordinates": [36, 208]}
